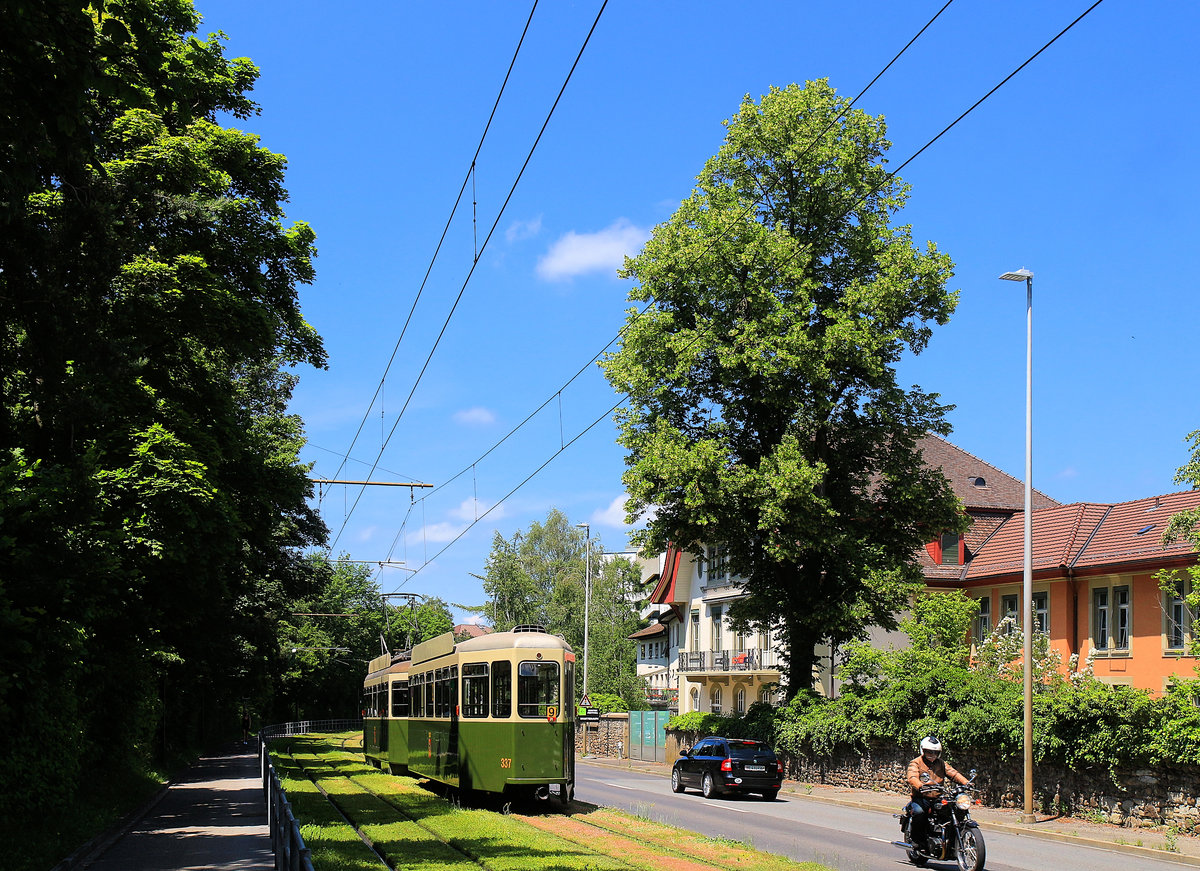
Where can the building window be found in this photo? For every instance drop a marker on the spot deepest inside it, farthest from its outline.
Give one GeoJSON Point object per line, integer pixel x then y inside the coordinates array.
{"type": "Point", "coordinates": [694, 640]}
{"type": "Point", "coordinates": [950, 549]}
{"type": "Point", "coordinates": [717, 570]}
{"type": "Point", "coordinates": [740, 702]}
{"type": "Point", "coordinates": [1111, 618]}
{"type": "Point", "coordinates": [1008, 609]}
{"type": "Point", "coordinates": [983, 620]}
{"type": "Point", "coordinates": [716, 700]}
{"type": "Point", "coordinates": [1121, 622]}
{"type": "Point", "coordinates": [716, 628]}
{"type": "Point", "coordinates": [1100, 618]}
{"type": "Point", "coordinates": [1179, 618]}
{"type": "Point", "coordinates": [1041, 613]}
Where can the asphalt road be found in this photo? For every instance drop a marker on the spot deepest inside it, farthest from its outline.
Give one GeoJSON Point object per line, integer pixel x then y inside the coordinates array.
{"type": "Point", "coordinates": [845, 838]}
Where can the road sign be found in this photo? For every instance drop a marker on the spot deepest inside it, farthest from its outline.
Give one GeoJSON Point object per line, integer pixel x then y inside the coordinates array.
{"type": "Point", "coordinates": [590, 715]}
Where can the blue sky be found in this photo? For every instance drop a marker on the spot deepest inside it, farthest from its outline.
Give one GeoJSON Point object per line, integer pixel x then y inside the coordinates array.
{"type": "Point", "coordinates": [1081, 169]}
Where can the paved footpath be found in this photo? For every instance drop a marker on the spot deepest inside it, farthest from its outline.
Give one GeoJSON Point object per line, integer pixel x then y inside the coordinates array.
{"type": "Point", "coordinates": [213, 818]}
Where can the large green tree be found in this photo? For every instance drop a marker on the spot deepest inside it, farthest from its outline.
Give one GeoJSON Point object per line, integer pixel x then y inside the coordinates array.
{"type": "Point", "coordinates": [763, 408]}
{"type": "Point", "coordinates": [152, 509]}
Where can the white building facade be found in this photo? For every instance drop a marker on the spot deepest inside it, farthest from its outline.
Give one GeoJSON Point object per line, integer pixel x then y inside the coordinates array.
{"type": "Point", "coordinates": [707, 666]}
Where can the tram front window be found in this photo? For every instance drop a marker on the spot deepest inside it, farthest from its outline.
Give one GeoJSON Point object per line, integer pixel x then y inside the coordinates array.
{"type": "Point", "coordinates": [537, 689]}
{"type": "Point", "coordinates": [399, 700]}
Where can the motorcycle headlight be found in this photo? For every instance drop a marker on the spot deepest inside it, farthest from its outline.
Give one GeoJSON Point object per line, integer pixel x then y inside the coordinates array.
{"type": "Point", "coordinates": [963, 801]}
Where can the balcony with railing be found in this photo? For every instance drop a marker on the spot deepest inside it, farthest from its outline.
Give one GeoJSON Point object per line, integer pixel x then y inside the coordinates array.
{"type": "Point", "coordinates": [728, 661]}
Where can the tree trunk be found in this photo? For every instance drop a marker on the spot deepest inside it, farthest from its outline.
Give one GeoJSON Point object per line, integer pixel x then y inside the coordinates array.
{"type": "Point", "coordinates": [802, 656]}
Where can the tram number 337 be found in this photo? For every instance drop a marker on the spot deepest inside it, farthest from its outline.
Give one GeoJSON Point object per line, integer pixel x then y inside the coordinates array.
{"type": "Point", "coordinates": [505, 763]}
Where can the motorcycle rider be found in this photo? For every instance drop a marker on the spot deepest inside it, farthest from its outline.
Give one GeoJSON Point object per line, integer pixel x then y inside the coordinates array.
{"type": "Point", "coordinates": [925, 774]}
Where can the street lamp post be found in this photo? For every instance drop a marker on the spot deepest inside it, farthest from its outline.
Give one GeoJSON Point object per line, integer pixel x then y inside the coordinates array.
{"type": "Point", "coordinates": [587, 597]}
{"type": "Point", "coordinates": [1027, 581]}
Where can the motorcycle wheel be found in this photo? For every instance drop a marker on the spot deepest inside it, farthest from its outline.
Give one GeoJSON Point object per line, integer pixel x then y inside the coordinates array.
{"type": "Point", "coordinates": [916, 858]}
{"type": "Point", "coordinates": [971, 850]}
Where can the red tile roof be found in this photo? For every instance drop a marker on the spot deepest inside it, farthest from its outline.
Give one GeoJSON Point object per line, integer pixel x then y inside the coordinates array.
{"type": "Point", "coordinates": [472, 629]}
{"type": "Point", "coordinates": [963, 470]}
{"type": "Point", "coordinates": [651, 631]}
{"type": "Point", "coordinates": [1086, 536]}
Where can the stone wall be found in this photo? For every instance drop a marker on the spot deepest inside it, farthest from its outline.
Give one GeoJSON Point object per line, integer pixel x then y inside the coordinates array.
{"type": "Point", "coordinates": [609, 737]}
{"type": "Point", "coordinates": [1166, 795]}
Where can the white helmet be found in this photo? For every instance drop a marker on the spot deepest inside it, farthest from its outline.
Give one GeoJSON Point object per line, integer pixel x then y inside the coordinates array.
{"type": "Point", "coordinates": [929, 744]}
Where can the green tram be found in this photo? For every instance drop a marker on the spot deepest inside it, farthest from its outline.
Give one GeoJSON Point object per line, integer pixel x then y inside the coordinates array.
{"type": "Point", "coordinates": [493, 714]}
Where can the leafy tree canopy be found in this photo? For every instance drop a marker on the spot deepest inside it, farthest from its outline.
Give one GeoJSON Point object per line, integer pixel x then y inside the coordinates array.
{"type": "Point", "coordinates": [152, 509]}
{"type": "Point", "coordinates": [764, 412]}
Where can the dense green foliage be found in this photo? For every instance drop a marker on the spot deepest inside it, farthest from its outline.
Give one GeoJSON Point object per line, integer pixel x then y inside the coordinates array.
{"type": "Point", "coordinates": [763, 409]}
{"type": "Point", "coordinates": [974, 705]}
{"type": "Point", "coordinates": [153, 513]}
{"type": "Point", "coordinates": [538, 577]}
{"type": "Point", "coordinates": [327, 639]}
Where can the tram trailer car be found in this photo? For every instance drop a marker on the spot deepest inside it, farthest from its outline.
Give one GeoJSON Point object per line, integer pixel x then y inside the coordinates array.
{"type": "Point", "coordinates": [493, 714]}
{"type": "Point", "coordinates": [385, 712]}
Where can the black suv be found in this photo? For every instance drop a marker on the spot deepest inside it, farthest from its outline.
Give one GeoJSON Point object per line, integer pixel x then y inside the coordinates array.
{"type": "Point", "coordinates": [718, 765]}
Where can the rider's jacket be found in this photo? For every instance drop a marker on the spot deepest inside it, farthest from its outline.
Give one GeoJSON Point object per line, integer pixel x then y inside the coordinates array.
{"type": "Point", "coordinates": [937, 772]}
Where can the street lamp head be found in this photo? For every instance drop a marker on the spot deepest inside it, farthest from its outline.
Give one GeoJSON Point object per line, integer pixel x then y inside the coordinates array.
{"type": "Point", "coordinates": [1021, 274]}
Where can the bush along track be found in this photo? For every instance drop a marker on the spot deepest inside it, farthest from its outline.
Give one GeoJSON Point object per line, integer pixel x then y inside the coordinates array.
{"type": "Point", "coordinates": [401, 822]}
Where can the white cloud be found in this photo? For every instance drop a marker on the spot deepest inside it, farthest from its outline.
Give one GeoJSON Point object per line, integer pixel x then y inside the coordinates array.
{"type": "Point", "coordinates": [471, 509]}
{"type": "Point", "coordinates": [368, 533]}
{"type": "Point", "coordinates": [581, 253]}
{"type": "Point", "coordinates": [477, 416]}
{"type": "Point", "coordinates": [437, 533]}
{"type": "Point", "coordinates": [613, 515]}
{"type": "Point", "coordinates": [520, 230]}
{"type": "Point", "coordinates": [476, 620]}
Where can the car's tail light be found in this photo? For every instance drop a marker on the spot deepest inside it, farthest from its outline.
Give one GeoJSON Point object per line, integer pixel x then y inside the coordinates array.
{"type": "Point", "coordinates": [727, 765]}
{"type": "Point", "coordinates": [779, 767]}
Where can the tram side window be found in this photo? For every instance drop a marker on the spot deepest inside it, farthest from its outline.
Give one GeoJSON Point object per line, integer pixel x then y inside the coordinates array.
{"type": "Point", "coordinates": [399, 700]}
{"type": "Point", "coordinates": [475, 689]}
{"type": "Point", "coordinates": [414, 694]}
{"type": "Point", "coordinates": [537, 688]}
{"type": "Point", "coordinates": [502, 690]}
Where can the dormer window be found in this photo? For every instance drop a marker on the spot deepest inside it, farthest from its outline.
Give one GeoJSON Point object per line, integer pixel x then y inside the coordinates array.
{"type": "Point", "coordinates": [980, 483]}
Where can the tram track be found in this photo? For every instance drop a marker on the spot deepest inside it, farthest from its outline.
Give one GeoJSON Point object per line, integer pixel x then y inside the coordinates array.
{"type": "Point", "coordinates": [585, 836]}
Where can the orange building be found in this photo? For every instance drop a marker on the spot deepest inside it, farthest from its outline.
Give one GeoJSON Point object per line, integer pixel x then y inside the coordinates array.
{"type": "Point", "coordinates": [1093, 584]}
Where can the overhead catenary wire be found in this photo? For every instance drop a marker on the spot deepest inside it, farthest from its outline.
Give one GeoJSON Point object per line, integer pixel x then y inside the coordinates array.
{"type": "Point", "coordinates": [470, 176]}
{"type": "Point", "coordinates": [586, 366]}
{"type": "Point", "coordinates": [475, 264]}
{"type": "Point", "coordinates": [700, 333]}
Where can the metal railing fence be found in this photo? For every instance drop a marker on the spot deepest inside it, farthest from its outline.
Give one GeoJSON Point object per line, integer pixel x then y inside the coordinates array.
{"type": "Point", "coordinates": [291, 854]}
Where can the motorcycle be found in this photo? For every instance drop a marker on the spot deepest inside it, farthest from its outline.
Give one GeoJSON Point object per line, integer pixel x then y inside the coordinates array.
{"type": "Point", "coordinates": [952, 832]}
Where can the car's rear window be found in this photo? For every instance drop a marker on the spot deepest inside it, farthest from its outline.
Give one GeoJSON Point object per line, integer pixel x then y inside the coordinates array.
{"type": "Point", "coordinates": [740, 749]}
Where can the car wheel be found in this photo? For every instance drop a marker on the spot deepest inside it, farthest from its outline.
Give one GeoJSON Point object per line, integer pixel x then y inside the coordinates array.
{"type": "Point", "coordinates": [770, 794]}
{"type": "Point", "coordinates": [707, 787]}
{"type": "Point", "coordinates": [676, 783]}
